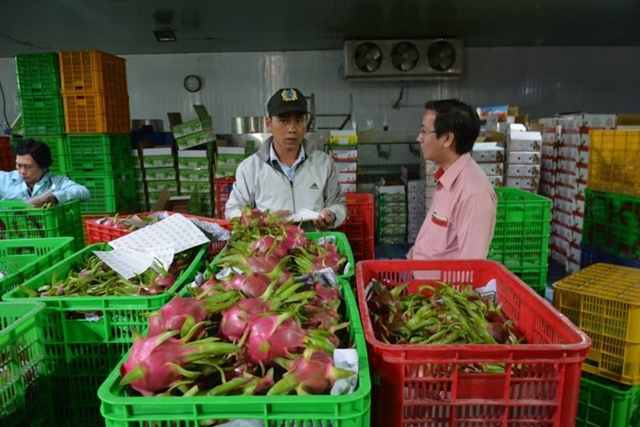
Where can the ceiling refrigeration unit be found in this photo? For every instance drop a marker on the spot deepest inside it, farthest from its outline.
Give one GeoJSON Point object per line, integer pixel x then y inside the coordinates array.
{"type": "Point", "coordinates": [403, 59]}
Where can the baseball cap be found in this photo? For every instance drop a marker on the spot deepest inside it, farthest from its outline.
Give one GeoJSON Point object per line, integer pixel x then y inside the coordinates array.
{"type": "Point", "coordinates": [285, 101]}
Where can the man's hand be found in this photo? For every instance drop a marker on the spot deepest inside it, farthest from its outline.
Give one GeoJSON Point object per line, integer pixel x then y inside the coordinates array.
{"type": "Point", "coordinates": [410, 253]}
{"type": "Point", "coordinates": [40, 201]}
{"type": "Point", "coordinates": [325, 219]}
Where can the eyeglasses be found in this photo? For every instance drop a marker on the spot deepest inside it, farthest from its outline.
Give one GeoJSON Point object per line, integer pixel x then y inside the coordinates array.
{"type": "Point", "coordinates": [426, 132]}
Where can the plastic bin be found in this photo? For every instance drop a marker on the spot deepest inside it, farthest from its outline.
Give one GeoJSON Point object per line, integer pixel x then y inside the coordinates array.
{"type": "Point", "coordinates": [100, 233]}
{"type": "Point", "coordinates": [421, 385]}
{"type": "Point", "coordinates": [351, 410]}
{"type": "Point", "coordinates": [604, 403]}
{"type": "Point", "coordinates": [42, 114]}
{"type": "Point", "coordinates": [612, 221]}
{"type": "Point", "coordinates": [223, 187]}
{"type": "Point", "coordinates": [96, 112]}
{"type": "Point", "coordinates": [589, 255]}
{"type": "Point", "coordinates": [521, 236]}
{"type": "Point", "coordinates": [25, 392]}
{"type": "Point", "coordinates": [7, 161]}
{"type": "Point", "coordinates": [359, 226]}
{"type": "Point", "coordinates": [92, 71]}
{"type": "Point", "coordinates": [37, 74]}
{"type": "Point", "coordinates": [21, 220]}
{"type": "Point", "coordinates": [99, 153]}
{"type": "Point", "coordinates": [85, 337]}
{"type": "Point", "coordinates": [614, 161]}
{"type": "Point", "coordinates": [604, 301]}
{"type": "Point", "coordinates": [110, 192]}
{"type": "Point", "coordinates": [23, 258]}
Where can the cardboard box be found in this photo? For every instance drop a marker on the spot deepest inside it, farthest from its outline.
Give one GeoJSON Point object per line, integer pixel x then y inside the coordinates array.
{"type": "Point", "coordinates": [415, 186]}
{"type": "Point", "coordinates": [525, 141]}
{"type": "Point", "coordinates": [348, 188]}
{"type": "Point", "coordinates": [228, 156]}
{"type": "Point", "coordinates": [347, 178]}
{"type": "Point", "coordinates": [193, 132]}
{"type": "Point", "coordinates": [487, 152]}
{"type": "Point", "coordinates": [525, 157]}
{"type": "Point", "coordinates": [347, 167]}
{"type": "Point", "coordinates": [225, 171]}
{"type": "Point", "coordinates": [193, 159]}
{"type": "Point", "coordinates": [344, 155]}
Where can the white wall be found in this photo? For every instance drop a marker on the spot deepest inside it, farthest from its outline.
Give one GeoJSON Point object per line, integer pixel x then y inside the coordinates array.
{"type": "Point", "coordinates": [541, 81]}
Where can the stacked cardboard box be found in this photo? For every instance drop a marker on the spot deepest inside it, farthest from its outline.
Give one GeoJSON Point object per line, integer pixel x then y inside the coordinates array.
{"type": "Point", "coordinates": [344, 148]}
{"type": "Point", "coordinates": [524, 154]}
{"type": "Point", "coordinates": [569, 162]}
{"type": "Point", "coordinates": [391, 209]}
{"type": "Point", "coordinates": [194, 132]}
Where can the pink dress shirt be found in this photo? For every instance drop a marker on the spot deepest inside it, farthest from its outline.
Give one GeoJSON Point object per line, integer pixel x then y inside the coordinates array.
{"type": "Point", "coordinates": [462, 215]}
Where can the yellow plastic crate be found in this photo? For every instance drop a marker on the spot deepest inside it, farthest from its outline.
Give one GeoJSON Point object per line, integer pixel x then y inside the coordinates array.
{"type": "Point", "coordinates": [604, 301]}
{"type": "Point", "coordinates": [614, 161]}
{"type": "Point", "coordinates": [92, 71]}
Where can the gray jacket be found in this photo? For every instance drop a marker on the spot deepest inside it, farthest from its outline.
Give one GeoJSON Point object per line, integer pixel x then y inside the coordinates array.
{"type": "Point", "coordinates": [260, 184]}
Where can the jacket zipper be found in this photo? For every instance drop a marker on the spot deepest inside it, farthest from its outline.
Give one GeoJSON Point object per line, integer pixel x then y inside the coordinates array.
{"type": "Point", "coordinates": [293, 196]}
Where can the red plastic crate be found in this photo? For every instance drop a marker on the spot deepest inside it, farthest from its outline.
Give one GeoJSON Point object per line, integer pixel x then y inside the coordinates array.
{"type": "Point", "coordinates": [223, 187]}
{"type": "Point", "coordinates": [363, 249]}
{"type": "Point", "coordinates": [99, 233]}
{"type": "Point", "coordinates": [421, 385]}
{"type": "Point", "coordinates": [360, 219]}
{"type": "Point", "coordinates": [6, 154]}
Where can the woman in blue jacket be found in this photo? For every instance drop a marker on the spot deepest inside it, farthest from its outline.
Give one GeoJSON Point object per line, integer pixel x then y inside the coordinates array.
{"type": "Point", "coordinates": [33, 182]}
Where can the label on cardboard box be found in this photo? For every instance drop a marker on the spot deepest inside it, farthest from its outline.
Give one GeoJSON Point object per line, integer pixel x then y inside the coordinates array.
{"type": "Point", "coordinates": [347, 167]}
{"type": "Point", "coordinates": [343, 137]}
{"type": "Point", "coordinates": [195, 139]}
{"type": "Point", "coordinates": [344, 155]}
{"type": "Point", "coordinates": [347, 178]}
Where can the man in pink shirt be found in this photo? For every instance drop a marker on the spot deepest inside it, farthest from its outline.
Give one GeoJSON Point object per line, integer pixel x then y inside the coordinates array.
{"type": "Point", "coordinates": [462, 215]}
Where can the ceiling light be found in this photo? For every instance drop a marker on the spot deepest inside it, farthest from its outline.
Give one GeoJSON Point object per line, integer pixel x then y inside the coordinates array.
{"type": "Point", "coordinates": [165, 35]}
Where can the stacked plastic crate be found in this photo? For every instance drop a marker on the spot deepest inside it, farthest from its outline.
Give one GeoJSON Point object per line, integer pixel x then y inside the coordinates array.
{"type": "Point", "coordinates": [359, 225]}
{"type": "Point", "coordinates": [38, 78]}
{"type": "Point", "coordinates": [604, 301]}
{"type": "Point", "coordinates": [97, 121]}
{"type": "Point", "coordinates": [226, 162]}
{"type": "Point", "coordinates": [391, 208]}
{"type": "Point", "coordinates": [521, 237]}
{"type": "Point", "coordinates": [524, 151]}
{"type": "Point", "coordinates": [6, 154]}
{"type": "Point", "coordinates": [612, 202]}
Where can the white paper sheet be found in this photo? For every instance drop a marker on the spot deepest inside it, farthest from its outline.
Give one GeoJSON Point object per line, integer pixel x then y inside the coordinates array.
{"type": "Point", "coordinates": [126, 262]}
{"type": "Point", "coordinates": [303, 215]}
{"type": "Point", "coordinates": [176, 230]}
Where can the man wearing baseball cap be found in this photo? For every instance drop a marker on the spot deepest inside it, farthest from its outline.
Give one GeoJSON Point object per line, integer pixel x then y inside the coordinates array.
{"type": "Point", "coordinates": [288, 173]}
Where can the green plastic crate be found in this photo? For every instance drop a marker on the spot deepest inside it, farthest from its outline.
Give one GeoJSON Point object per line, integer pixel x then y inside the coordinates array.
{"type": "Point", "coordinates": [605, 403]}
{"type": "Point", "coordinates": [59, 152]}
{"type": "Point", "coordinates": [25, 392]}
{"type": "Point", "coordinates": [42, 114]}
{"type": "Point", "coordinates": [81, 349]}
{"type": "Point", "coordinates": [535, 277]}
{"type": "Point", "coordinates": [37, 74]}
{"type": "Point", "coordinates": [522, 231]}
{"type": "Point", "coordinates": [110, 192]}
{"type": "Point", "coordinates": [100, 153]}
{"type": "Point", "coordinates": [21, 220]}
{"type": "Point", "coordinates": [352, 410]}
{"type": "Point", "coordinates": [612, 222]}
{"type": "Point", "coordinates": [21, 259]}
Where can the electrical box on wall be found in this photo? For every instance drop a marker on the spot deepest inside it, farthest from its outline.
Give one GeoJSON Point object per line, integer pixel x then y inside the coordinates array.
{"type": "Point", "coordinates": [403, 59]}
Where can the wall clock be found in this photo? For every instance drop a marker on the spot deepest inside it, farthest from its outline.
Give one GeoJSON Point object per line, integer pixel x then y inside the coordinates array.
{"type": "Point", "coordinates": [192, 83]}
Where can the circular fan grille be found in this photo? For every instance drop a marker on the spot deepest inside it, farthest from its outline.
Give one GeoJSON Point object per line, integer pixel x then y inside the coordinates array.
{"type": "Point", "coordinates": [404, 56]}
{"type": "Point", "coordinates": [441, 55]}
{"type": "Point", "coordinates": [367, 57]}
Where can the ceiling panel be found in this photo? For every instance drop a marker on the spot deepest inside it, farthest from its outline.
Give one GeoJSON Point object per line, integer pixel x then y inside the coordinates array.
{"type": "Point", "coordinates": [126, 26]}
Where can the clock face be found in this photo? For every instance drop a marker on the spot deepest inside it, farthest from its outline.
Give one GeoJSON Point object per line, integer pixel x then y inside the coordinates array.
{"type": "Point", "coordinates": [192, 83]}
